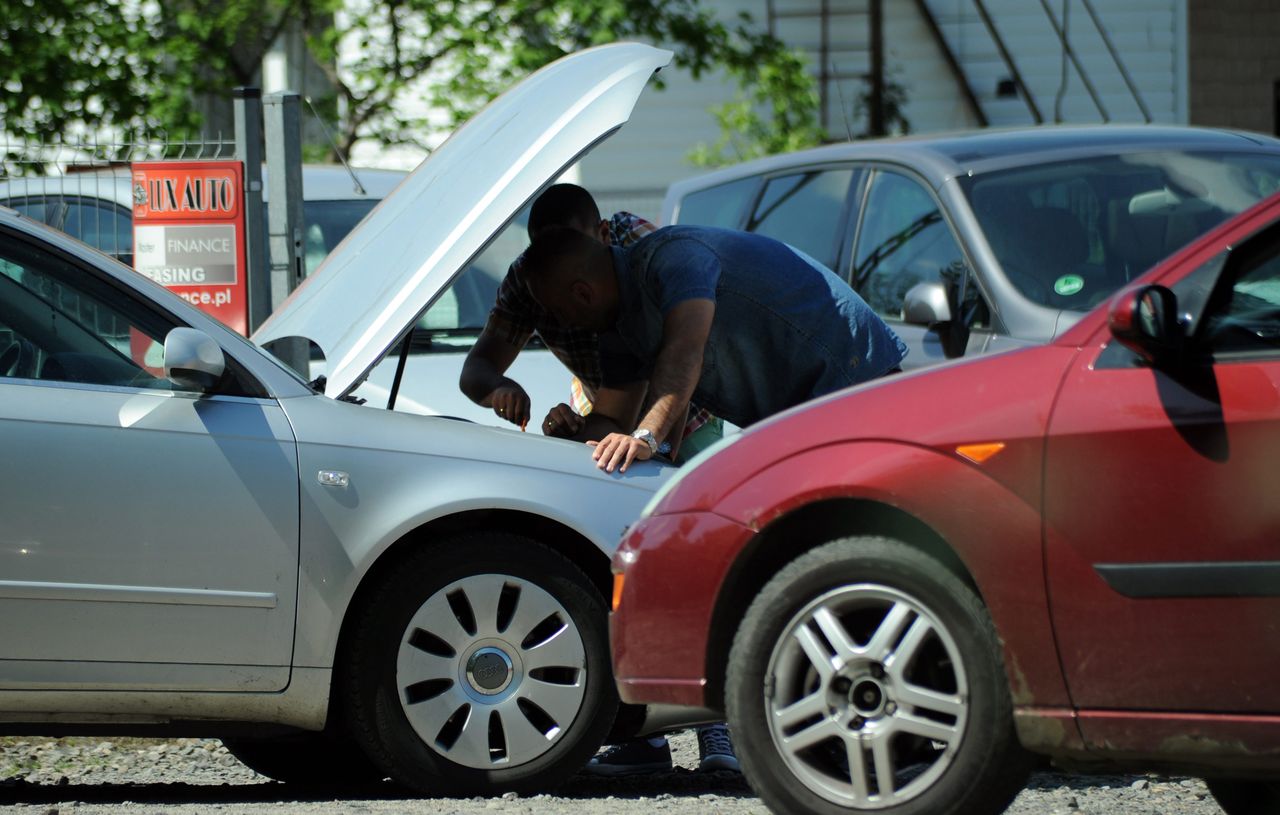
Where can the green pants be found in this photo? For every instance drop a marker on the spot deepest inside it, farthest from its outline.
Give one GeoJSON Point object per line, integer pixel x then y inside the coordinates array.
{"type": "Point", "coordinates": [701, 439]}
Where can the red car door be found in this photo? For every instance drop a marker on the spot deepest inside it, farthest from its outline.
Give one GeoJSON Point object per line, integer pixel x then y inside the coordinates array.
{"type": "Point", "coordinates": [1162, 507]}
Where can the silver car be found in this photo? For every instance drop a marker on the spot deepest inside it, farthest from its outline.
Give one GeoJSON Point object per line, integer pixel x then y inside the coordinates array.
{"type": "Point", "coordinates": [193, 540]}
{"type": "Point", "coordinates": [977, 242]}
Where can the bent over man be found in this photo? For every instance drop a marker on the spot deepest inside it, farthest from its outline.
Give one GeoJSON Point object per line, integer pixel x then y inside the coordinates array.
{"type": "Point", "coordinates": [736, 321]}
{"type": "Point", "coordinates": [516, 316]}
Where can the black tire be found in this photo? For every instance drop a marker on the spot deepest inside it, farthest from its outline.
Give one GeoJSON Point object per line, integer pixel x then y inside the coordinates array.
{"type": "Point", "coordinates": [464, 756]}
{"type": "Point", "coordinates": [942, 642]}
{"type": "Point", "coordinates": [312, 759]}
{"type": "Point", "coordinates": [1245, 797]}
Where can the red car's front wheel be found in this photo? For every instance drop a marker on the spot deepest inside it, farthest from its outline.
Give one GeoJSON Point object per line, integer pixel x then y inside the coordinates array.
{"type": "Point", "coordinates": [866, 676]}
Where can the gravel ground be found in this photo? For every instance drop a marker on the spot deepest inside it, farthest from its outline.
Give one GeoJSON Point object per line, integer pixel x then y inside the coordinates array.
{"type": "Point", "coordinates": [187, 776]}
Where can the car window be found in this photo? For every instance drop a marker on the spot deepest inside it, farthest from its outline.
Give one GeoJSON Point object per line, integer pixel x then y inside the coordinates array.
{"type": "Point", "coordinates": [1246, 315]}
{"type": "Point", "coordinates": [455, 319]}
{"type": "Point", "coordinates": [722, 205]}
{"type": "Point", "coordinates": [805, 210]}
{"type": "Point", "coordinates": [904, 240]}
{"type": "Point", "coordinates": [59, 324]}
{"type": "Point", "coordinates": [1069, 234]}
{"type": "Point", "coordinates": [326, 223]}
{"type": "Point", "coordinates": [34, 208]}
{"type": "Point", "coordinates": [102, 225]}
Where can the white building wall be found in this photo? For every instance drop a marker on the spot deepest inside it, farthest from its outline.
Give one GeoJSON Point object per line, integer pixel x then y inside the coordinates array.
{"type": "Point", "coordinates": [1146, 34]}
{"type": "Point", "coordinates": [633, 168]}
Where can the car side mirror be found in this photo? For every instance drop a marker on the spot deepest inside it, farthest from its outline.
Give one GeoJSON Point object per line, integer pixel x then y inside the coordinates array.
{"type": "Point", "coordinates": [192, 360]}
{"type": "Point", "coordinates": [927, 304]}
{"type": "Point", "coordinates": [1145, 320]}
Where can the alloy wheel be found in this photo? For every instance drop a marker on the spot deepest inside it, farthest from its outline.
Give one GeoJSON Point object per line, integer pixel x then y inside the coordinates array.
{"type": "Point", "coordinates": [866, 696]}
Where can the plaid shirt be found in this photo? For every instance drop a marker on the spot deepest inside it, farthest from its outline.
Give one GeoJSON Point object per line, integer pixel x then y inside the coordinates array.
{"type": "Point", "coordinates": [576, 348]}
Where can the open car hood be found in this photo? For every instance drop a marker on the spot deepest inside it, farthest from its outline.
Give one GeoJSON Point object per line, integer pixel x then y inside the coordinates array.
{"type": "Point", "coordinates": [375, 284]}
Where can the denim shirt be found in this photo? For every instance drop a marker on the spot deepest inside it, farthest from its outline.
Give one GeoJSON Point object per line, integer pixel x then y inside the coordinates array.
{"type": "Point", "coordinates": [785, 329]}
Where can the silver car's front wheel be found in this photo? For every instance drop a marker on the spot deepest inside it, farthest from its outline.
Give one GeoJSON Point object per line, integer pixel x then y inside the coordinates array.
{"type": "Point", "coordinates": [867, 676]}
{"type": "Point", "coordinates": [491, 671]}
{"type": "Point", "coordinates": [480, 665]}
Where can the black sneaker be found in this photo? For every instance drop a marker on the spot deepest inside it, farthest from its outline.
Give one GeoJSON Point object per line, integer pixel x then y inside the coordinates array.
{"type": "Point", "coordinates": [715, 751]}
{"type": "Point", "coordinates": [631, 758]}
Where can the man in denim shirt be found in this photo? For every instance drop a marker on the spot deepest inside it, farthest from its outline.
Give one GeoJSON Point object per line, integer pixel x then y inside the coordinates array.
{"type": "Point", "coordinates": [739, 322]}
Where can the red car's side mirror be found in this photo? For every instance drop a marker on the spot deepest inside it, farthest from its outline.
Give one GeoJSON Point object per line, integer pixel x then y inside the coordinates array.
{"type": "Point", "coordinates": [1145, 320]}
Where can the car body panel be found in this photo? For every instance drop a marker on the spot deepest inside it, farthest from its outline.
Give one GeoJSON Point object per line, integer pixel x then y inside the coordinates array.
{"type": "Point", "coordinates": [1246, 744]}
{"type": "Point", "coordinates": [371, 288]}
{"type": "Point", "coordinates": [408, 471]}
{"type": "Point", "coordinates": [676, 674]}
{"type": "Point", "coordinates": [104, 538]}
{"type": "Point", "coordinates": [1213, 439]}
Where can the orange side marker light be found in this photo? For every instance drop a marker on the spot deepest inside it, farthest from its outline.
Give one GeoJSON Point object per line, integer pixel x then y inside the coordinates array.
{"type": "Point", "coordinates": [617, 590]}
{"type": "Point", "coordinates": [979, 453]}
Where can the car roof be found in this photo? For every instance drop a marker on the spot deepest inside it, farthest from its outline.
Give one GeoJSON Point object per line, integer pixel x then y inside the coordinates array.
{"type": "Point", "coordinates": [943, 156]}
{"type": "Point", "coordinates": [320, 182]}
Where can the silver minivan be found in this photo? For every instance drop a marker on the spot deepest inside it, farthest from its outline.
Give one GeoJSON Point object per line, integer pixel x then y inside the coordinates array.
{"type": "Point", "coordinates": [977, 242]}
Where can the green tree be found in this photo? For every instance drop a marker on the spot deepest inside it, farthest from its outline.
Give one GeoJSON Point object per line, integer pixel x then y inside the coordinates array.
{"type": "Point", "coordinates": [138, 66]}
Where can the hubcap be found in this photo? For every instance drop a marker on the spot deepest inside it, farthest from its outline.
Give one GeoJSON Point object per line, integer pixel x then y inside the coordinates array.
{"type": "Point", "coordinates": [491, 671]}
{"type": "Point", "coordinates": [869, 697]}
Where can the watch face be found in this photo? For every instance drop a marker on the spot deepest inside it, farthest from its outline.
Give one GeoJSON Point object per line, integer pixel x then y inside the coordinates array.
{"type": "Point", "coordinates": [647, 437]}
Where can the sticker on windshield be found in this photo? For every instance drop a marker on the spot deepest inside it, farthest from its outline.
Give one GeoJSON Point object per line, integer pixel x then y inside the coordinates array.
{"type": "Point", "coordinates": [1069, 284]}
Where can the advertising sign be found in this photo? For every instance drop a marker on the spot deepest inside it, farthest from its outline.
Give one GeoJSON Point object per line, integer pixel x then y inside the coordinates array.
{"type": "Point", "coordinates": [188, 233]}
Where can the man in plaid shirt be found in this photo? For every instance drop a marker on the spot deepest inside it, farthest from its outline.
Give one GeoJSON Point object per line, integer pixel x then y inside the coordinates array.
{"type": "Point", "coordinates": [599, 408]}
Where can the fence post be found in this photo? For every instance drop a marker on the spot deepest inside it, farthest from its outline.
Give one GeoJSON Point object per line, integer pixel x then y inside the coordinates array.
{"type": "Point", "coordinates": [285, 227]}
{"type": "Point", "coordinates": [248, 118]}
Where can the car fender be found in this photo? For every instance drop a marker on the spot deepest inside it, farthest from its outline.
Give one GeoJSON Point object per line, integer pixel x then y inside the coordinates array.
{"type": "Point", "coordinates": [361, 495]}
{"type": "Point", "coordinates": [993, 529]}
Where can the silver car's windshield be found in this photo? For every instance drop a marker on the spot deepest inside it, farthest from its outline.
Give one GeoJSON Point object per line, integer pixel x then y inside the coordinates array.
{"type": "Point", "coordinates": [1070, 233]}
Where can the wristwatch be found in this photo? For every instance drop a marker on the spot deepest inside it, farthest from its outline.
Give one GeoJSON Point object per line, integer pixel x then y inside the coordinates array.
{"type": "Point", "coordinates": [648, 438]}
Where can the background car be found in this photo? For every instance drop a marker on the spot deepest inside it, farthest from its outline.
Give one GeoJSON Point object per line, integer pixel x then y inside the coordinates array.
{"type": "Point", "coordinates": [899, 590]}
{"type": "Point", "coordinates": [96, 206]}
{"type": "Point", "coordinates": [977, 242]}
{"type": "Point", "coordinates": [197, 542]}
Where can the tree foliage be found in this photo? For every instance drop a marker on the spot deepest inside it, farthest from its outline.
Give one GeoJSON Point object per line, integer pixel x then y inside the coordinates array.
{"type": "Point", "coordinates": [138, 66]}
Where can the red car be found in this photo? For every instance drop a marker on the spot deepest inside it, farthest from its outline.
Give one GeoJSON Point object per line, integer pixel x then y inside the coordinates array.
{"type": "Point", "coordinates": [900, 593]}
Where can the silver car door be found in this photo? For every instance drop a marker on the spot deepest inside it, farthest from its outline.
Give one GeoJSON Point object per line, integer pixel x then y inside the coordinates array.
{"type": "Point", "coordinates": [904, 239]}
{"type": "Point", "coordinates": [149, 535]}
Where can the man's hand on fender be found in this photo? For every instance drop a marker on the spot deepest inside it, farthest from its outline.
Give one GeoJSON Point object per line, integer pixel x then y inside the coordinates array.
{"type": "Point", "coordinates": [562, 422]}
{"type": "Point", "coordinates": [619, 449]}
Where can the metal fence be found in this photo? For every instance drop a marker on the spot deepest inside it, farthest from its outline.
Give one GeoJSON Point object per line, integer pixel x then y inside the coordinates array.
{"type": "Point", "coordinates": [84, 187]}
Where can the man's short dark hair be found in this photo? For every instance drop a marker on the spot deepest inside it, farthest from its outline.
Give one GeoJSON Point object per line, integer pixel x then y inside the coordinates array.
{"type": "Point", "coordinates": [563, 205]}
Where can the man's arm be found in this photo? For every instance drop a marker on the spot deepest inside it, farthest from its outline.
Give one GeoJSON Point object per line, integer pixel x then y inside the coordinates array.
{"type": "Point", "coordinates": [675, 376]}
{"type": "Point", "coordinates": [613, 410]}
{"type": "Point", "coordinates": [483, 377]}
